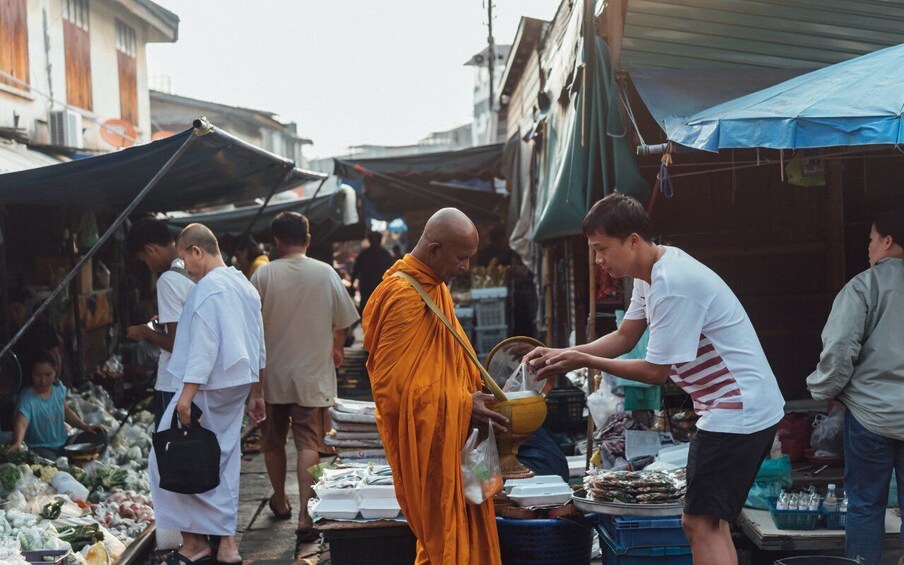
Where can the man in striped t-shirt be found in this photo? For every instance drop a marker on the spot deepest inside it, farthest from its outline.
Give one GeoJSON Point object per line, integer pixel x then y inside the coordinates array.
{"type": "Point", "coordinates": [701, 338]}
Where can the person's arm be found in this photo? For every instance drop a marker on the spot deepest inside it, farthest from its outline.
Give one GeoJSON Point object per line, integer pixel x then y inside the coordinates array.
{"type": "Point", "coordinates": [162, 340]}
{"type": "Point", "coordinates": [550, 361]}
{"type": "Point", "coordinates": [339, 336]}
{"type": "Point", "coordinates": [841, 342]}
{"type": "Point", "coordinates": [183, 405]}
{"type": "Point", "coordinates": [19, 427]}
{"type": "Point", "coordinates": [73, 420]}
{"type": "Point", "coordinates": [257, 407]}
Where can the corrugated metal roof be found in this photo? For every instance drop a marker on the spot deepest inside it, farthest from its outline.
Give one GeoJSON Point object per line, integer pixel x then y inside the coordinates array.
{"type": "Point", "coordinates": [778, 34]}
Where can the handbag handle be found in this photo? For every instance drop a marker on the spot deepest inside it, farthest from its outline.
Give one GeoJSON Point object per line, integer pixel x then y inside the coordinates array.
{"type": "Point", "coordinates": [195, 417]}
{"type": "Point", "coordinates": [485, 376]}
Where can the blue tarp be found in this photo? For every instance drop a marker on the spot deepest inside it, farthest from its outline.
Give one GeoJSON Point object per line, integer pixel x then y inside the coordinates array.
{"type": "Point", "coordinates": [858, 102]}
{"type": "Point", "coordinates": [217, 169]}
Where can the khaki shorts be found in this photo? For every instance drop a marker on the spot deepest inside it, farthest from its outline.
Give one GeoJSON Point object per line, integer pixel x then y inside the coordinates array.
{"type": "Point", "coordinates": [309, 426]}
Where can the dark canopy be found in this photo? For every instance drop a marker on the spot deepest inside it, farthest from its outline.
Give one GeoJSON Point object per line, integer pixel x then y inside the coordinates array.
{"type": "Point", "coordinates": [217, 169]}
{"type": "Point", "coordinates": [463, 179]}
{"type": "Point", "coordinates": [325, 213]}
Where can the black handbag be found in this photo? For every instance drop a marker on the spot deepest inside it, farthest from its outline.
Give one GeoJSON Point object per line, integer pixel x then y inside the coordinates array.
{"type": "Point", "coordinates": [188, 459]}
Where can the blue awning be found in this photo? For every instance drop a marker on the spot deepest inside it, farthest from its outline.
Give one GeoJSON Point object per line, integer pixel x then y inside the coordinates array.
{"type": "Point", "coordinates": [858, 102]}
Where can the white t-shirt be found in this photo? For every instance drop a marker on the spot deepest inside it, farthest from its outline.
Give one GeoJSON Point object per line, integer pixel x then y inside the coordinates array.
{"type": "Point", "coordinates": [220, 338]}
{"type": "Point", "coordinates": [303, 302]}
{"type": "Point", "coordinates": [698, 326]}
{"type": "Point", "coordinates": [172, 290]}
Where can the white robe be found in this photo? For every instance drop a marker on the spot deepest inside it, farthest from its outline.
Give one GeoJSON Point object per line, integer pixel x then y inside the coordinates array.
{"type": "Point", "coordinates": [213, 512]}
{"type": "Point", "coordinates": [219, 345]}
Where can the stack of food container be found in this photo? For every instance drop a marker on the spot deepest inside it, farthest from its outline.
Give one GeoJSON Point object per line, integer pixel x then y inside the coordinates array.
{"type": "Point", "coordinates": [355, 434]}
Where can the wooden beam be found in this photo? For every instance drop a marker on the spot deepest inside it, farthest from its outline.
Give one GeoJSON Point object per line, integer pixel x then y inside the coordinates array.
{"type": "Point", "coordinates": [615, 24]}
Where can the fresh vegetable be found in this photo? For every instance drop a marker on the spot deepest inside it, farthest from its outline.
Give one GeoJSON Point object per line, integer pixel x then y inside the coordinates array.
{"type": "Point", "coordinates": [9, 476]}
{"type": "Point", "coordinates": [80, 536]}
{"type": "Point", "coordinates": [51, 510]}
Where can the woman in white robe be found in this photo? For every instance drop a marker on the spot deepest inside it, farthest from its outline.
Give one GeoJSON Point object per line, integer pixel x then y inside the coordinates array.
{"type": "Point", "coordinates": [219, 356]}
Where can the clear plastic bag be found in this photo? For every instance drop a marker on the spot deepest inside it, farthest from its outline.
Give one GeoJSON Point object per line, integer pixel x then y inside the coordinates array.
{"type": "Point", "coordinates": [481, 471]}
{"type": "Point", "coordinates": [523, 379]}
{"type": "Point", "coordinates": [828, 432]}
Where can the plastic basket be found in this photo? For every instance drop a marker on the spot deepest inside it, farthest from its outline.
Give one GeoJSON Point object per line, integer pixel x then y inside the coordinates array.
{"type": "Point", "coordinates": [792, 519]}
{"type": "Point", "coordinates": [565, 409]}
{"type": "Point", "coordinates": [394, 545]}
{"type": "Point", "coordinates": [629, 532]}
{"type": "Point", "coordinates": [662, 555]}
{"type": "Point", "coordinates": [490, 313]}
{"type": "Point", "coordinates": [834, 520]}
{"type": "Point", "coordinates": [544, 542]}
{"type": "Point", "coordinates": [487, 338]}
{"type": "Point", "coordinates": [489, 293]}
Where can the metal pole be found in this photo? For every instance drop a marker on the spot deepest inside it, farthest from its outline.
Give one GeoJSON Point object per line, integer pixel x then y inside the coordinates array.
{"type": "Point", "coordinates": [200, 129]}
{"type": "Point", "coordinates": [264, 205]}
{"type": "Point", "coordinates": [491, 67]}
{"type": "Point", "coordinates": [311, 201]}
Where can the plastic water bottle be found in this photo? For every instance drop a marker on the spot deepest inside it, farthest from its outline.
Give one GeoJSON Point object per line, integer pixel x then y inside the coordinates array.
{"type": "Point", "coordinates": [782, 503]}
{"type": "Point", "coordinates": [830, 504]}
{"type": "Point", "coordinates": [813, 504]}
{"type": "Point", "coordinates": [843, 506]}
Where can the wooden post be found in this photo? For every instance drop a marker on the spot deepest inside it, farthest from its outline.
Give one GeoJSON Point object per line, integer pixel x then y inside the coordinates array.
{"type": "Point", "coordinates": [591, 335]}
{"type": "Point", "coordinates": [547, 282]}
{"type": "Point", "coordinates": [835, 261]}
{"type": "Point", "coordinates": [615, 24]}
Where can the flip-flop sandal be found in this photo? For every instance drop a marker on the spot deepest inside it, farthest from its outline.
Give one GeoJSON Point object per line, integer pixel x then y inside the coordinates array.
{"type": "Point", "coordinates": [277, 514]}
{"type": "Point", "coordinates": [176, 558]}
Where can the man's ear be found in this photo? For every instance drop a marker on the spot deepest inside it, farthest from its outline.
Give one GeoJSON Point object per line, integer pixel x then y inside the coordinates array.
{"type": "Point", "coordinates": [433, 248]}
{"type": "Point", "coordinates": [307, 242]}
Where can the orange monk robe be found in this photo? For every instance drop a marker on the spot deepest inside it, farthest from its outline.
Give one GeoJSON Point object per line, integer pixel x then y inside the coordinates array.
{"type": "Point", "coordinates": [422, 385]}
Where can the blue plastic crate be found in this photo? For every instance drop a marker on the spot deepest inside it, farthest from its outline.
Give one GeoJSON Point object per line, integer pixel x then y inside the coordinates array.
{"type": "Point", "coordinates": [629, 532]}
{"type": "Point", "coordinates": [792, 519]}
{"type": "Point", "coordinates": [664, 555]}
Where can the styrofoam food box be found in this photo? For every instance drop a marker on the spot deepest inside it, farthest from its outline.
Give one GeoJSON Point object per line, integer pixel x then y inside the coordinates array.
{"type": "Point", "coordinates": [337, 508]}
{"type": "Point", "coordinates": [323, 492]}
{"type": "Point", "coordinates": [541, 495]}
{"type": "Point", "coordinates": [375, 491]}
{"type": "Point", "coordinates": [536, 480]}
{"type": "Point", "coordinates": [380, 508]}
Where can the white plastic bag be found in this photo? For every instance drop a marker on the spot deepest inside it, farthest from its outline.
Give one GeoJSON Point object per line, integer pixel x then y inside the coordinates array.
{"type": "Point", "coordinates": [602, 404]}
{"type": "Point", "coordinates": [481, 471]}
{"type": "Point", "coordinates": [523, 379]}
{"type": "Point", "coordinates": [828, 432]}
{"type": "Point", "coordinates": [64, 483]}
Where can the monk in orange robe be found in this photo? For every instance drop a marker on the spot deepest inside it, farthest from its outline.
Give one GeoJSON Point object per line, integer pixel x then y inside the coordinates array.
{"type": "Point", "coordinates": [427, 395]}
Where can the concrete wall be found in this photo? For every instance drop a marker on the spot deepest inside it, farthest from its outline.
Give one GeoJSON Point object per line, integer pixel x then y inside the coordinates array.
{"type": "Point", "coordinates": [33, 107]}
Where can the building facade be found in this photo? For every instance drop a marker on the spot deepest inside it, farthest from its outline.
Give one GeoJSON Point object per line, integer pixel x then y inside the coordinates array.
{"type": "Point", "coordinates": [73, 73]}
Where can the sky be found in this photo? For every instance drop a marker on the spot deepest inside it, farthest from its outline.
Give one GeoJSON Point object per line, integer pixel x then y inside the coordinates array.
{"type": "Point", "coordinates": [349, 72]}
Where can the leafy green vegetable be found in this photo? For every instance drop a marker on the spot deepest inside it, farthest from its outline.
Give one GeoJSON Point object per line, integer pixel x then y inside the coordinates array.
{"type": "Point", "coordinates": [9, 476]}
{"type": "Point", "coordinates": [51, 510]}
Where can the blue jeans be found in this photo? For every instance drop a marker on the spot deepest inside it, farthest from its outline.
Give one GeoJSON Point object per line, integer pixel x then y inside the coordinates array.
{"type": "Point", "coordinates": [868, 461]}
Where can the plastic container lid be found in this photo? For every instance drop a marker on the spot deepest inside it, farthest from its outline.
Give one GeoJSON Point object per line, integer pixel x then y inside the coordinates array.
{"type": "Point", "coordinates": [536, 480]}
{"type": "Point", "coordinates": [332, 493]}
{"type": "Point", "coordinates": [541, 495]}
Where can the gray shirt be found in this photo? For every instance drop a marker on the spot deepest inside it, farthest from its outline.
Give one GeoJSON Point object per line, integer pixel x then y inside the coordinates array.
{"type": "Point", "coordinates": [862, 360]}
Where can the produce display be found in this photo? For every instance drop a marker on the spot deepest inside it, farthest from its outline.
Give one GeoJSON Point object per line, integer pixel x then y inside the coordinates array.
{"type": "Point", "coordinates": [93, 511]}
{"type": "Point", "coordinates": [637, 487]}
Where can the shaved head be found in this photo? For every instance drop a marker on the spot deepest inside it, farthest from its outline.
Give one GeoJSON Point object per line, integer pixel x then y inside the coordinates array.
{"type": "Point", "coordinates": [448, 243]}
{"type": "Point", "coordinates": [198, 235]}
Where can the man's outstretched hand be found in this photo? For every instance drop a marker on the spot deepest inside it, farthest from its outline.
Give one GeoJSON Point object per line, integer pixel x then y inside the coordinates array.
{"type": "Point", "coordinates": [549, 362]}
{"type": "Point", "coordinates": [481, 414]}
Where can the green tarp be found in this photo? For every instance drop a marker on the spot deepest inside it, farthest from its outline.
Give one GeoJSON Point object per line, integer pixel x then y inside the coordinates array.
{"type": "Point", "coordinates": [583, 160]}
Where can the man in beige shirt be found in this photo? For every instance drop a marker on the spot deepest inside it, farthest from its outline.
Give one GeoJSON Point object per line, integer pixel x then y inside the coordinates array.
{"type": "Point", "coordinates": [307, 313]}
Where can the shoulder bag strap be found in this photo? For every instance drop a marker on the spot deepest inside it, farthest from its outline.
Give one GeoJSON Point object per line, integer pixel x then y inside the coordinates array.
{"type": "Point", "coordinates": [487, 379]}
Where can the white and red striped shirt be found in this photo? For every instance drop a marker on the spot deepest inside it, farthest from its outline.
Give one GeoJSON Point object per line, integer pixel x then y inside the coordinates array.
{"type": "Point", "coordinates": [698, 326]}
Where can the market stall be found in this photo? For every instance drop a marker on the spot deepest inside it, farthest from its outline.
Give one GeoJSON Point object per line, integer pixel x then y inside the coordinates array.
{"type": "Point", "coordinates": [92, 504]}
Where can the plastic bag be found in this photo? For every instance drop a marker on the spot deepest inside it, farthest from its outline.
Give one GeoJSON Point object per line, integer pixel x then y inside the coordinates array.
{"type": "Point", "coordinates": [602, 404]}
{"type": "Point", "coordinates": [523, 379]}
{"type": "Point", "coordinates": [774, 474]}
{"type": "Point", "coordinates": [828, 432]}
{"type": "Point", "coordinates": [481, 471]}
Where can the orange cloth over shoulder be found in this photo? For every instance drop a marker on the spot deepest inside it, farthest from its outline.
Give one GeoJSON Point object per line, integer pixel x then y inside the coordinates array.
{"type": "Point", "coordinates": [422, 385]}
